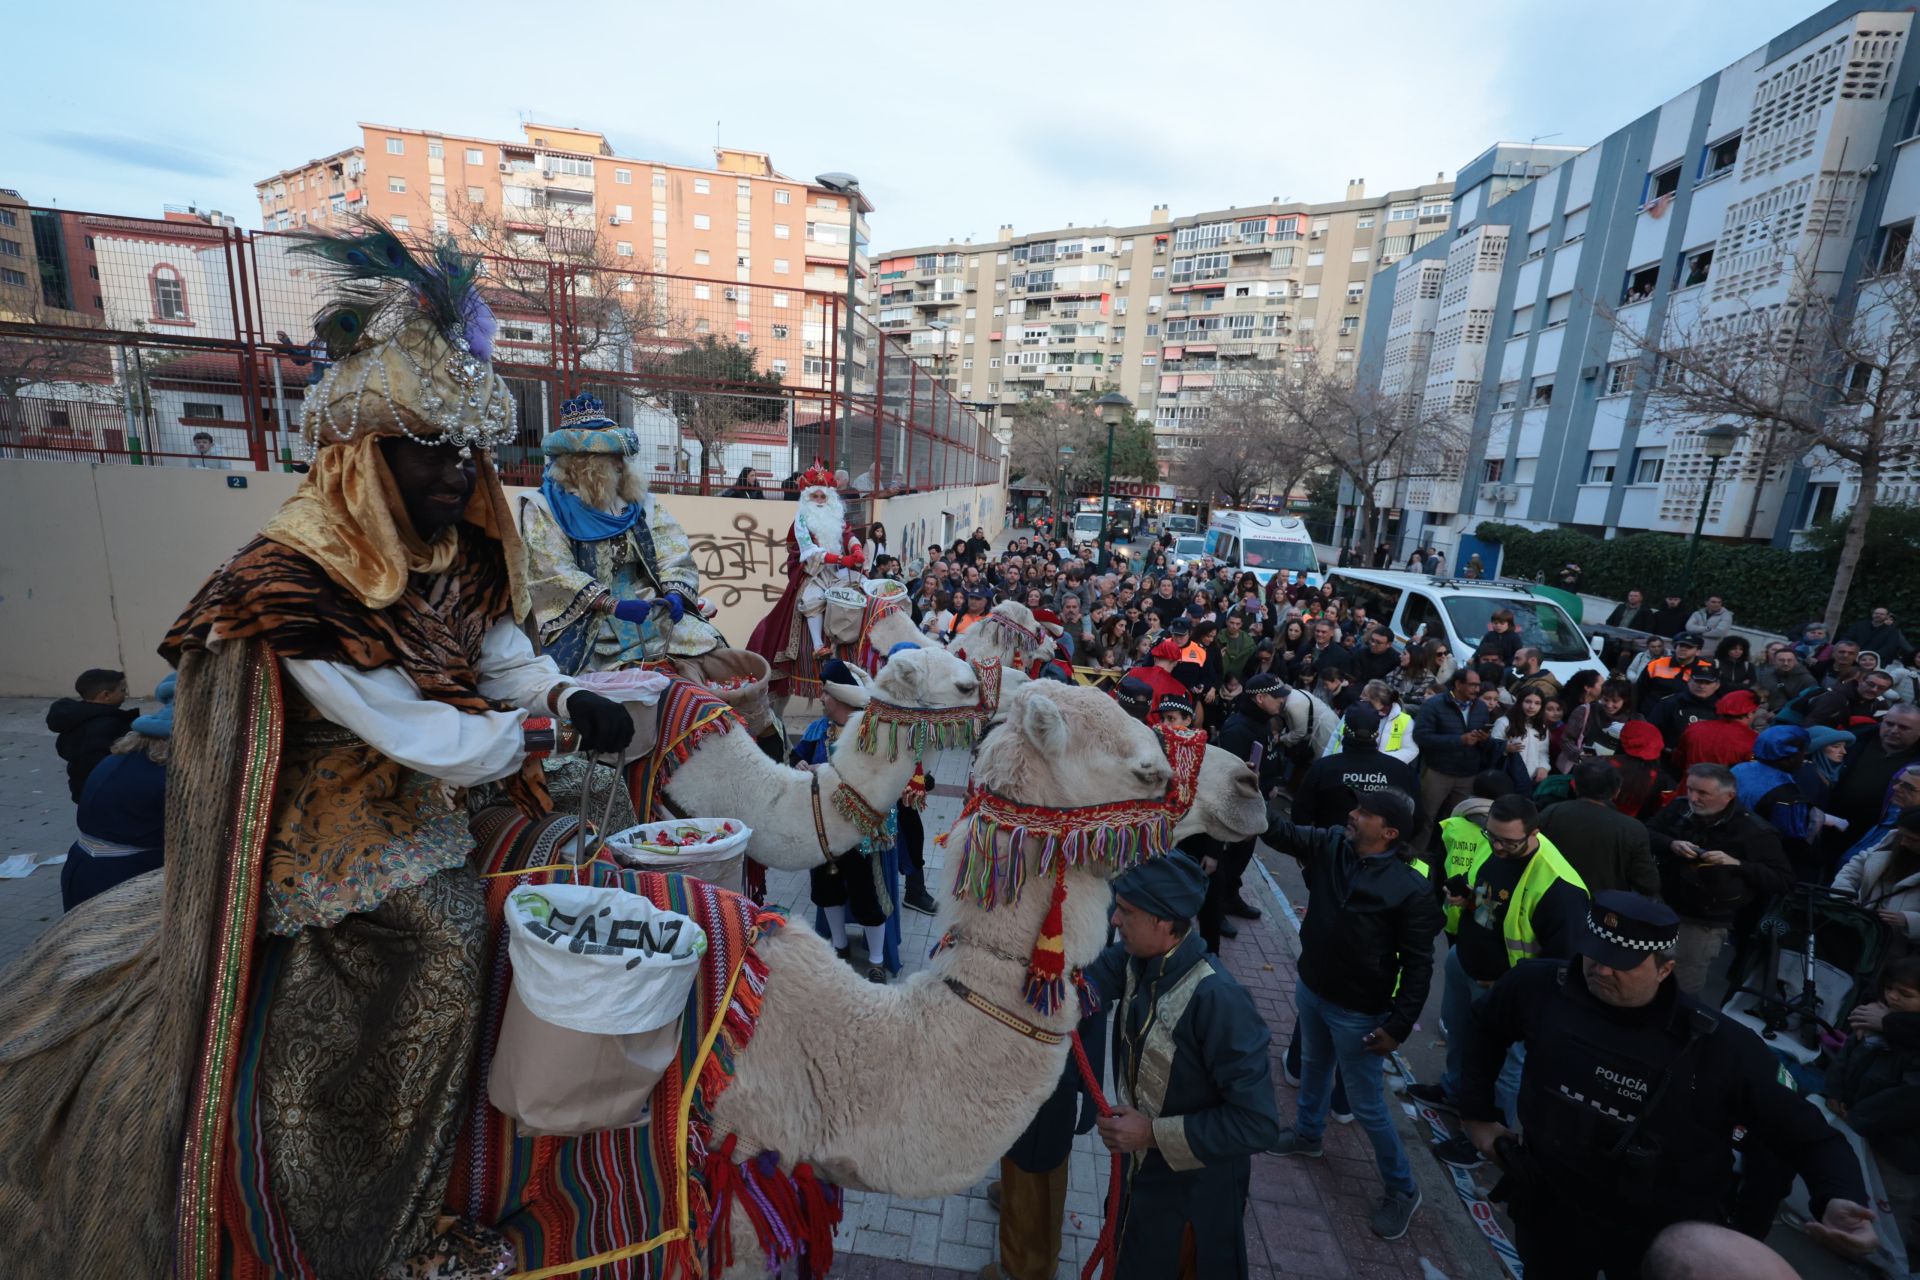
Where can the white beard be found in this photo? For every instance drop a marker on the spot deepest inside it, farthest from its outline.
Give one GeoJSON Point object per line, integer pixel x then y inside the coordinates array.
{"type": "Point", "coordinates": [825, 522]}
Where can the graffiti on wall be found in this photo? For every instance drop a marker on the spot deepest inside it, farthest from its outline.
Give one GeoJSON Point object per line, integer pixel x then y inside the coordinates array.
{"type": "Point", "coordinates": [747, 564]}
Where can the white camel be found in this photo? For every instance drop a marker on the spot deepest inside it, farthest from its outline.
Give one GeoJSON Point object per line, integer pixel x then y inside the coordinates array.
{"type": "Point", "coordinates": [809, 1084]}
{"type": "Point", "coordinates": [727, 775]}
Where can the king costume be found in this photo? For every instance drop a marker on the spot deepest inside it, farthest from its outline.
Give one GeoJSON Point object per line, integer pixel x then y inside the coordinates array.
{"type": "Point", "coordinates": [305, 971]}
{"type": "Point", "coordinates": [822, 552]}
{"type": "Point", "coordinates": [595, 538]}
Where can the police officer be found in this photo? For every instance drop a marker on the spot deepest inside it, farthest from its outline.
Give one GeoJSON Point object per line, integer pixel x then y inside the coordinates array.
{"type": "Point", "coordinates": [1629, 1103]}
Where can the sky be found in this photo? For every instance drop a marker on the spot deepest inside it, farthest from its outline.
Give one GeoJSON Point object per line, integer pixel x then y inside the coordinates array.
{"type": "Point", "coordinates": [955, 117]}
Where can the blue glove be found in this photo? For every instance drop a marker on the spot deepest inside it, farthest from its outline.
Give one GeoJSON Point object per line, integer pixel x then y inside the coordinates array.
{"type": "Point", "coordinates": [634, 611]}
{"type": "Point", "coordinates": [677, 605]}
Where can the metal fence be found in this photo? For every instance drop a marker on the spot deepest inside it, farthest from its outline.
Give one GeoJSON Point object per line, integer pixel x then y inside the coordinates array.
{"type": "Point", "coordinates": [176, 342]}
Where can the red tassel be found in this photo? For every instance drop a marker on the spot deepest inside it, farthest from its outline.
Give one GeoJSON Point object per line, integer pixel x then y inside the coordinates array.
{"type": "Point", "coordinates": [915, 796]}
{"type": "Point", "coordinates": [820, 1214]}
{"type": "Point", "coordinates": [1046, 983]}
{"type": "Point", "coordinates": [723, 1185]}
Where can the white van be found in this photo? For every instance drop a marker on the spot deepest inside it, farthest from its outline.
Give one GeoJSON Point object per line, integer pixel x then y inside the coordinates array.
{"type": "Point", "coordinates": [1456, 609]}
{"type": "Point", "coordinates": [1263, 543]}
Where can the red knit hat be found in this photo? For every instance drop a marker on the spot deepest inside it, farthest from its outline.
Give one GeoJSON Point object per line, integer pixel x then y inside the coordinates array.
{"type": "Point", "coordinates": [1738, 703]}
{"type": "Point", "coordinates": [1641, 740]}
{"type": "Point", "coordinates": [1165, 649]}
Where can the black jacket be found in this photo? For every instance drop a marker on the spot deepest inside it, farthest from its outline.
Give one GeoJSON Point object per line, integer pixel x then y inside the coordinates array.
{"type": "Point", "coordinates": [1665, 622]}
{"type": "Point", "coordinates": [1364, 664]}
{"type": "Point", "coordinates": [1709, 893]}
{"type": "Point", "coordinates": [1437, 727]}
{"type": "Point", "coordinates": [87, 732]}
{"type": "Point", "coordinates": [1633, 618]}
{"type": "Point", "coordinates": [1247, 725]}
{"type": "Point", "coordinates": [1671, 716]}
{"type": "Point", "coordinates": [1325, 794]}
{"type": "Point", "coordinates": [1370, 925]}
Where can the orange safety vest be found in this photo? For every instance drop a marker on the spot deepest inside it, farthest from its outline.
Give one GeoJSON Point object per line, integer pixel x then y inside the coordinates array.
{"type": "Point", "coordinates": [1194, 653]}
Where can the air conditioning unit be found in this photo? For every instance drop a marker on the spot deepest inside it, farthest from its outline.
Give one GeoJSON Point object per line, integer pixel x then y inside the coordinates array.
{"type": "Point", "coordinates": [731, 295]}
{"type": "Point", "coordinates": [1494, 491]}
{"type": "Point", "coordinates": [1589, 372]}
{"type": "Point", "coordinates": [505, 167]}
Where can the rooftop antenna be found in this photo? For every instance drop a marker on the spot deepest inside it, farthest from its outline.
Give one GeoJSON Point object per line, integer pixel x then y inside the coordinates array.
{"type": "Point", "coordinates": [1542, 137]}
{"type": "Point", "coordinates": [716, 133]}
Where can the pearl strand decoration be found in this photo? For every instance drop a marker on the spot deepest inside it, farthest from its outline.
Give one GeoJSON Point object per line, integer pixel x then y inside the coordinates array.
{"type": "Point", "coordinates": [479, 419]}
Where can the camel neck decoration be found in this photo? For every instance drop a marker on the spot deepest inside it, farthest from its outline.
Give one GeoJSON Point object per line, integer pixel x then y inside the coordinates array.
{"type": "Point", "coordinates": [938, 728]}
{"type": "Point", "coordinates": [1186, 751]}
{"type": "Point", "coordinates": [1000, 833]}
{"type": "Point", "coordinates": [1018, 641]}
{"type": "Point", "coordinates": [856, 809]}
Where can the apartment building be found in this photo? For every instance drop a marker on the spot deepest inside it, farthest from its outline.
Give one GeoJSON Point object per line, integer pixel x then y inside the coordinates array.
{"type": "Point", "coordinates": [1162, 309]}
{"type": "Point", "coordinates": [1789, 170]}
{"type": "Point", "coordinates": [47, 270]}
{"type": "Point", "coordinates": [757, 256]}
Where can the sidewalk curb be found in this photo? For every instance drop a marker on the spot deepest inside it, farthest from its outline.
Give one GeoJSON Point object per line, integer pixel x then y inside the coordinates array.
{"type": "Point", "coordinates": [1465, 1235]}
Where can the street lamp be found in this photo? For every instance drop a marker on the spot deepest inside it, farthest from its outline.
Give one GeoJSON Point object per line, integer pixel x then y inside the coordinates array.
{"type": "Point", "coordinates": [1060, 488]}
{"type": "Point", "coordinates": [1716, 442]}
{"type": "Point", "coordinates": [847, 185]}
{"type": "Point", "coordinates": [1114, 409]}
{"type": "Point", "coordinates": [941, 327]}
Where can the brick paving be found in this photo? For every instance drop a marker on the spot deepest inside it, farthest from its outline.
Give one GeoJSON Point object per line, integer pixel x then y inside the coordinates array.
{"type": "Point", "coordinates": [1305, 1218]}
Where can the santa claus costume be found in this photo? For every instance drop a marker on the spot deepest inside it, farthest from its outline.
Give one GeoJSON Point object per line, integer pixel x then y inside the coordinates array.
{"type": "Point", "coordinates": [821, 552]}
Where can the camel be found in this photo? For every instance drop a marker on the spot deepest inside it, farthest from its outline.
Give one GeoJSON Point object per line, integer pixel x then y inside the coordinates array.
{"type": "Point", "coordinates": [905, 1089]}
{"type": "Point", "coordinates": [728, 776]}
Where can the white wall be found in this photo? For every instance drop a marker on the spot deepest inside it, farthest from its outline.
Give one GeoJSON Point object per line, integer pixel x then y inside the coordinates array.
{"type": "Point", "coordinates": [102, 559]}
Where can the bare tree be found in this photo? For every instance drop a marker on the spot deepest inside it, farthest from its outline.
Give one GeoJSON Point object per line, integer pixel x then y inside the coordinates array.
{"type": "Point", "coordinates": [43, 351]}
{"type": "Point", "coordinates": [547, 259]}
{"type": "Point", "coordinates": [1822, 377]}
{"type": "Point", "coordinates": [1065, 441]}
{"type": "Point", "coordinates": [1373, 439]}
{"type": "Point", "coordinates": [1243, 445]}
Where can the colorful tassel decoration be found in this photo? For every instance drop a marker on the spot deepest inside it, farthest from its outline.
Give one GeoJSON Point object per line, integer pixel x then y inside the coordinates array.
{"type": "Point", "coordinates": [915, 796]}
{"type": "Point", "coordinates": [1089, 998]}
{"type": "Point", "coordinates": [1047, 967]}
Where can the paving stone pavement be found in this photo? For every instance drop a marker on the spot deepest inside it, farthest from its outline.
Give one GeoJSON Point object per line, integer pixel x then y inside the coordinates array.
{"type": "Point", "coordinates": [1304, 1219]}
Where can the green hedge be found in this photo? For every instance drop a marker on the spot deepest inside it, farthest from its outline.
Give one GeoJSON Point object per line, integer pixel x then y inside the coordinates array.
{"type": "Point", "coordinates": [1767, 589]}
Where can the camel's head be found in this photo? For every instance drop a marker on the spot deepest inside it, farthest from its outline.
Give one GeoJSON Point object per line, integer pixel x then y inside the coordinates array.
{"type": "Point", "coordinates": [926, 679]}
{"type": "Point", "coordinates": [1064, 746]}
{"type": "Point", "coordinates": [1010, 633]}
{"type": "Point", "coordinates": [1227, 804]}
{"type": "Point", "coordinates": [895, 627]}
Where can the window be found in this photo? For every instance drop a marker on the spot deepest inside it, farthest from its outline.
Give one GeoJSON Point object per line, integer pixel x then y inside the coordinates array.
{"type": "Point", "coordinates": [966, 364]}
{"type": "Point", "coordinates": [1359, 255]}
{"type": "Point", "coordinates": [1661, 185]}
{"type": "Point", "coordinates": [1149, 360]}
{"type": "Point", "coordinates": [1574, 225]}
{"type": "Point", "coordinates": [1522, 322]}
{"type": "Point", "coordinates": [1153, 330]}
{"type": "Point", "coordinates": [396, 184]}
{"type": "Point", "coordinates": [1283, 257]}
{"type": "Point", "coordinates": [782, 231]}
{"type": "Point", "coordinates": [476, 156]}
{"type": "Point", "coordinates": [703, 326]}
{"type": "Point", "coordinates": [702, 258]}
{"type": "Point", "coordinates": [396, 146]}
{"type": "Point", "coordinates": [659, 182]}
{"type": "Point", "coordinates": [780, 266]}
{"type": "Point", "coordinates": [702, 187]}
{"type": "Point", "coordinates": [1558, 308]}
{"type": "Point", "coordinates": [1859, 384]}
{"type": "Point", "coordinates": [1719, 157]}
{"type": "Point", "coordinates": [1159, 273]}
{"type": "Point", "coordinates": [1600, 465]}
{"type": "Point", "coordinates": [1495, 470]}
{"type": "Point", "coordinates": [701, 222]}
{"type": "Point", "coordinates": [1542, 392]}
{"type": "Point", "coordinates": [623, 177]}
{"type": "Point", "coordinates": [780, 300]}
{"type": "Point", "coordinates": [1363, 224]}
{"type": "Point", "coordinates": [1893, 245]}
{"type": "Point", "coordinates": [779, 368]}
{"type": "Point", "coordinates": [1695, 266]}
{"type": "Point", "coordinates": [18, 279]}
{"type": "Point", "coordinates": [743, 188]}
{"type": "Point", "coordinates": [1309, 291]}
{"type": "Point", "coordinates": [1648, 465]}
{"type": "Point", "coordinates": [659, 217]}
{"type": "Point", "coordinates": [169, 293]}
{"type": "Point", "coordinates": [993, 362]}
{"type": "Point", "coordinates": [1641, 282]}
{"type": "Point", "coordinates": [8, 218]}
{"type": "Point", "coordinates": [1355, 290]}
{"type": "Point", "coordinates": [10, 249]}
{"type": "Point", "coordinates": [1316, 257]}
{"type": "Point", "coordinates": [476, 195]}
{"type": "Point", "coordinates": [782, 331]}
{"type": "Point", "coordinates": [742, 224]}
{"type": "Point", "coordinates": [1509, 395]}
{"type": "Point", "coordinates": [623, 249]}
{"type": "Point", "coordinates": [1537, 244]}
{"type": "Point", "coordinates": [436, 149]}
{"type": "Point", "coordinates": [203, 411]}
{"type": "Point", "coordinates": [1344, 355]}
{"type": "Point", "coordinates": [782, 196]}
{"type": "Point", "coordinates": [624, 212]}
{"type": "Point", "coordinates": [1349, 325]}
{"type": "Point", "coordinates": [399, 222]}
{"type": "Point", "coordinates": [1622, 377]}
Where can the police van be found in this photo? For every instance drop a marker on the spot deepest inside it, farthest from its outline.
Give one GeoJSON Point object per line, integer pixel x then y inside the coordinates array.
{"type": "Point", "coordinates": [1263, 543]}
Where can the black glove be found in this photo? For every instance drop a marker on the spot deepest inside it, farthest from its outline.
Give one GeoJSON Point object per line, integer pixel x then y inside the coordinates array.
{"type": "Point", "coordinates": [604, 724]}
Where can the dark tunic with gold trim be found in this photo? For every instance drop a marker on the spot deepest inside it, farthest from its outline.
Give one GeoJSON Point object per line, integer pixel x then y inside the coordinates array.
{"type": "Point", "coordinates": [1190, 1052]}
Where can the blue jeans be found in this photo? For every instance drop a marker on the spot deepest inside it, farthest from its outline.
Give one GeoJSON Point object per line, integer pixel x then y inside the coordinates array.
{"type": "Point", "coordinates": [1330, 1036]}
{"type": "Point", "coordinates": [1293, 1065]}
{"type": "Point", "coordinates": [1457, 997]}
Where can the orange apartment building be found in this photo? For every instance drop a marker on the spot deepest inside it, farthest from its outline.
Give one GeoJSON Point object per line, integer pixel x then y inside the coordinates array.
{"type": "Point", "coordinates": [559, 192]}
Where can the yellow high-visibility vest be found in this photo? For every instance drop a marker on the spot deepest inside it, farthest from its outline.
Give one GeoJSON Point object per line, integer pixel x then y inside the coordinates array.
{"type": "Point", "coordinates": [1543, 869]}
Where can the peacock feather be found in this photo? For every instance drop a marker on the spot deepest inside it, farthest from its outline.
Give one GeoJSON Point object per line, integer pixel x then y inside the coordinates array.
{"type": "Point", "coordinates": [377, 274]}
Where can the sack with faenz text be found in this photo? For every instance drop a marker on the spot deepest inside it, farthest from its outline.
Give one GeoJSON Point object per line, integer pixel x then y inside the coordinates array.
{"type": "Point", "coordinates": [600, 981]}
